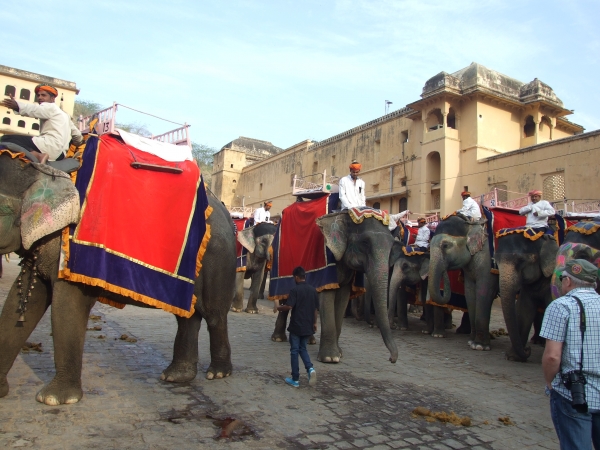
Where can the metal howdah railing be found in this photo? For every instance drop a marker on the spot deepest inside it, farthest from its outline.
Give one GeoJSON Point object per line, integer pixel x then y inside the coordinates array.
{"type": "Point", "coordinates": [315, 182]}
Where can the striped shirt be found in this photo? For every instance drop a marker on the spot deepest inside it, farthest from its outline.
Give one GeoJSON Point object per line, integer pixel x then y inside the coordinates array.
{"type": "Point", "coordinates": [561, 324]}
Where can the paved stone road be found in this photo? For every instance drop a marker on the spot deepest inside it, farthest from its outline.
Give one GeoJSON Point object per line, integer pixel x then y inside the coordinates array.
{"type": "Point", "coordinates": [363, 402]}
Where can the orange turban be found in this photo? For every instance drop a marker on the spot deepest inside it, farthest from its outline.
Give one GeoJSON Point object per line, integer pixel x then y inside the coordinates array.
{"type": "Point", "coordinates": [46, 87]}
{"type": "Point", "coordinates": [535, 192]}
{"type": "Point", "coordinates": [268, 203]}
{"type": "Point", "coordinates": [421, 220]}
{"type": "Point", "coordinates": [355, 166]}
{"type": "Point", "coordinates": [465, 193]}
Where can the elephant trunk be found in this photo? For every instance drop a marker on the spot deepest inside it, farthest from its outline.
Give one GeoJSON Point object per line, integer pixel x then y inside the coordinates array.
{"type": "Point", "coordinates": [510, 281]}
{"type": "Point", "coordinates": [433, 286]}
{"type": "Point", "coordinates": [377, 277]}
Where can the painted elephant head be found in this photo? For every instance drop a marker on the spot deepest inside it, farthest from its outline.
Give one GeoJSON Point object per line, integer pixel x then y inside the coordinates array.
{"type": "Point", "coordinates": [35, 201]}
{"type": "Point", "coordinates": [257, 240]}
{"type": "Point", "coordinates": [457, 241]}
{"type": "Point", "coordinates": [364, 246]}
{"type": "Point", "coordinates": [568, 251]}
{"type": "Point", "coordinates": [525, 266]}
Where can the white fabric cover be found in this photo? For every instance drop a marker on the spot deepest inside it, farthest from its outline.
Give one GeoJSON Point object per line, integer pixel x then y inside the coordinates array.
{"type": "Point", "coordinates": [168, 152]}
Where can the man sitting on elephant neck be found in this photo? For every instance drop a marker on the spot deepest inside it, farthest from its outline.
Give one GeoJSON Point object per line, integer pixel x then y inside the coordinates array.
{"type": "Point", "coordinates": [422, 241]}
{"type": "Point", "coordinates": [56, 130]}
{"type": "Point", "coordinates": [394, 225]}
{"type": "Point", "coordinates": [470, 207]}
{"type": "Point", "coordinates": [262, 214]}
{"type": "Point", "coordinates": [352, 188]}
{"type": "Point", "coordinates": [537, 210]}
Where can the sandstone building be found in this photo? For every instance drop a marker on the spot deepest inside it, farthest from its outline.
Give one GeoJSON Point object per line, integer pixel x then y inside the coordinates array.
{"type": "Point", "coordinates": [21, 85]}
{"type": "Point", "coordinates": [474, 129]}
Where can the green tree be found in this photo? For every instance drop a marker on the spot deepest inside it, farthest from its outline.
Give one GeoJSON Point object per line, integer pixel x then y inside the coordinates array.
{"type": "Point", "coordinates": [203, 154]}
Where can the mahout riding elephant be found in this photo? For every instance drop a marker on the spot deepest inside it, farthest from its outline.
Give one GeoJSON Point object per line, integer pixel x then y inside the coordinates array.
{"type": "Point", "coordinates": [363, 247]}
{"type": "Point", "coordinates": [257, 240]}
{"type": "Point", "coordinates": [525, 269]}
{"type": "Point", "coordinates": [460, 243]}
{"type": "Point", "coordinates": [38, 241]}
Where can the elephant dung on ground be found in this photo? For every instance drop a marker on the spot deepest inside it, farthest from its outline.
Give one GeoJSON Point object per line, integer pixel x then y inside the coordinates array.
{"type": "Point", "coordinates": [363, 247]}
{"type": "Point", "coordinates": [38, 242]}
{"type": "Point", "coordinates": [525, 268]}
{"type": "Point", "coordinates": [460, 243]}
{"type": "Point", "coordinates": [257, 240]}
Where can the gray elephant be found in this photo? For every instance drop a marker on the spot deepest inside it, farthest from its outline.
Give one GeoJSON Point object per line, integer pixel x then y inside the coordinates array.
{"type": "Point", "coordinates": [38, 242]}
{"type": "Point", "coordinates": [363, 247]}
{"type": "Point", "coordinates": [257, 240]}
{"type": "Point", "coordinates": [525, 268]}
{"type": "Point", "coordinates": [460, 243]}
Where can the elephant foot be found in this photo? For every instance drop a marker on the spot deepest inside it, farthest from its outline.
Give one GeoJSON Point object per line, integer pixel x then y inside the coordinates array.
{"type": "Point", "coordinates": [279, 337]}
{"type": "Point", "coordinates": [179, 373]}
{"type": "Point", "coordinates": [511, 355]}
{"type": "Point", "coordinates": [236, 309]}
{"type": "Point", "coordinates": [216, 372]}
{"type": "Point", "coordinates": [251, 310]}
{"type": "Point", "coordinates": [59, 392]}
{"type": "Point", "coordinates": [329, 356]}
{"type": "Point", "coordinates": [403, 328]}
{"type": "Point", "coordinates": [426, 332]}
{"type": "Point", "coordinates": [480, 347]}
{"type": "Point", "coordinates": [312, 340]}
{"type": "Point", "coordinates": [438, 334]}
{"type": "Point", "coordinates": [3, 387]}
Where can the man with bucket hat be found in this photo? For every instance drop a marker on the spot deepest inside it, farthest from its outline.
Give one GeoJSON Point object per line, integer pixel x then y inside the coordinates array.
{"type": "Point", "coordinates": [571, 360]}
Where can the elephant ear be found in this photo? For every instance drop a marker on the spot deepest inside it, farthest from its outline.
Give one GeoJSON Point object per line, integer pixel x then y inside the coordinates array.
{"type": "Point", "coordinates": [424, 270]}
{"type": "Point", "coordinates": [49, 204]}
{"type": "Point", "coordinates": [548, 256]}
{"type": "Point", "coordinates": [334, 229]}
{"type": "Point", "coordinates": [475, 238]}
{"type": "Point", "coordinates": [246, 238]}
{"type": "Point", "coordinates": [395, 253]}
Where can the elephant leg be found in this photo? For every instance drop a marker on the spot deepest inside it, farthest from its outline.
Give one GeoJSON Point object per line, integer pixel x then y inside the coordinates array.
{"type": "Point", "coordinates": [329, 351]}
{"type": "Point", "coordinates": [483, 308]}
{"type": "Point", "coordinates": [471, 307]}
{"type": "Point", "coordinates": [357, 307]}
{"type": "Point", "coordinates": [261, 291]}
{"type": "Point", "coordinates": [526, 312]}
{"type": "Point", "coordinates": [257, 279]}
{"type": "Point", "coordinates": [537, 326]}
{"type": "Point", "coordinates": [12, 335]}
{"type": "Point", "coordinates": [184, 366]}
{"type": "Point", "coordinates": [71, 305]}
{"type": "Point", "coordinates": [465, 324]}
{"type": "Point", "coordinates": [429, 313]}
{"type": "Point", "coordinates": [439, 328]}
{"type": "Point", "coordinates": [342, 297]}
{"type": "Point", "coordinates": [279, 332]}
{"type": "Point", "coordinates": [238, 299]}
{"type": "Point", "coordinates": [220, 349]}
{"type": "Point", "coordinates": [401, 310]}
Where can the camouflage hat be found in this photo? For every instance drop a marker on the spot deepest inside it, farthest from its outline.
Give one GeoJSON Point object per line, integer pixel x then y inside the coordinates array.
{"type": "Point", "coordinates": [582, 270]}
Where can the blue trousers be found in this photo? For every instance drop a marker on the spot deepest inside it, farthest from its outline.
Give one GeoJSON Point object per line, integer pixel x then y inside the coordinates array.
{"type": "Point", "coordinates": [298, 347]}
{"type": "Point", "coordinates": [575, 431]}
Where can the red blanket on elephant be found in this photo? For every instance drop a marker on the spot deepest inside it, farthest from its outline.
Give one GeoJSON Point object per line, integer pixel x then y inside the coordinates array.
{"type": "Point", "coordinates": [140, 231]}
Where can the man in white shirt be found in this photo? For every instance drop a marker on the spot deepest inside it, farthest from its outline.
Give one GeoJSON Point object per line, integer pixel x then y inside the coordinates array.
{"type": "Point", "coordinates": [263, 214]}
{"type": "Point", "coordinates": [422, 240]}
{"type": "Point", "coordinates": [56, 130]}
{"type": "Point", "coordinates": [537, 210]}
{"type": "Point", "coordinates": [352, 188]}
{"type": "Point", "coordinates": [394, 218]}
{"type": "Point", "coordinates": [470, 207]}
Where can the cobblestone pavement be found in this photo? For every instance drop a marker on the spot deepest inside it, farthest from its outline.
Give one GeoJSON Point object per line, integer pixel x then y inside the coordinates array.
{"type": "Point", "coordinates": [363, 402]}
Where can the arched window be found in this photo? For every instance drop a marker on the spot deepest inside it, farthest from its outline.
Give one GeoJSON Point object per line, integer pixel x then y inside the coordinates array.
{"type": "Point", "coordinates": [6, 121]}
{"type": "Point", "coordinates": [21, 123]}
{"type": "Point", "coordinates": [9, 90]}
{"type": "Point", "coordinates": [529, 128]}
{"type": "Point", "coordinates": [35, 126]}
{"type": "Point", "coordinates": [435, 120]}
{"type": "Point", "coordinates": [451, 119]}
{"type": "Point", "coordinates": [25, 94]}
{"type": "Point", "coordinates": [403, 204]}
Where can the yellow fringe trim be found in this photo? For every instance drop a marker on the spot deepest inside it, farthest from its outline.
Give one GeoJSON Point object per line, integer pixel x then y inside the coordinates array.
{"type": "Point", "coordinates": [269, 264]}
{"type": "Point", "coordinates": [357, 292]}
{"type": "Point", "coordinates": [241, 269]}
{"type": "Point", "coordinates": [112, 303]}
{"type": "Point", "coordinates": [14, 155]}
{"type": "Point", "coordinates": [506, 232]}
{"type": "Point", "coordinates": [449, 215]}
{"type": "Point", "coordinates": [580, 231]}
{"type": "Point", "coordinates": [494, 271]}
{"type": "Point", "coordinates": [412, 253]}
{"type": "Point", "coordinates": [385, 219]}
{"type": "Point", "coordinates": [450, 307]}
{"type": "Point", "coordinates": [320, 289]}
{"type": "Point", "coordinates": [277, 297]}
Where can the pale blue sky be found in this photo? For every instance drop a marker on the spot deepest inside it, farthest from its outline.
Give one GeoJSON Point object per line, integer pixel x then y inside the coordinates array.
{"type": "Point", "coordinates": [285, 71]}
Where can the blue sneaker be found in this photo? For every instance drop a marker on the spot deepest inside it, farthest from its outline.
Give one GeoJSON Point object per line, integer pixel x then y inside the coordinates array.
{"type": "Point", "coordinates": [291, 382]}
{"type": "Point", "coordinates": [312, 376]}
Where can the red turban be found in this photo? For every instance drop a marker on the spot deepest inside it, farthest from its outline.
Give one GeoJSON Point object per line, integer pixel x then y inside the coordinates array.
{"type": "Point", "coordinates": [465, 193]}
{"type": "Point", "coordinates": [46, 87]}
{"type": "Point", "coordinates": [355, 166]}
{"type": "Point", "coordinates": [535, 192]}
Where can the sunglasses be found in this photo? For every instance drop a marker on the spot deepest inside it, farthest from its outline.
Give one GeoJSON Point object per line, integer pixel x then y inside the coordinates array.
{"type": "Point", "coordinates": [562, 277]}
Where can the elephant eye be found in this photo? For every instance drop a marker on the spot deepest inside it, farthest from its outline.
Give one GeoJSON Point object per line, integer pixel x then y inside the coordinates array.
{"type": "Point", "coordinates": [405, 266]}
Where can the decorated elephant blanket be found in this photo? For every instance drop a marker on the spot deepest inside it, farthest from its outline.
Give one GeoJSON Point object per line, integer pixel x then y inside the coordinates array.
{"type": "Point", "coordinates": [241, 252]}
{"type": "Point", "coordinates": [142, 233]}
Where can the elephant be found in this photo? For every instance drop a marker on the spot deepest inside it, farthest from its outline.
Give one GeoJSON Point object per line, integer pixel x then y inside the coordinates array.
{"type": "Point", "coordinates": [363, 247]}
{"type": "Point", "coordinates": [461, 243]}
{"type": "Point", "coordinates": [257, 240]}
{"type": "Point", "coordinates": [525, 270]}
{"type": "Point", "coordinates": [38, 243]}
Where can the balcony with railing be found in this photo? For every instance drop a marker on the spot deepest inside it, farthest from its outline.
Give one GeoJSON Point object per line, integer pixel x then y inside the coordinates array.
{"type": "Point", "coordinates": [316, 183]}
